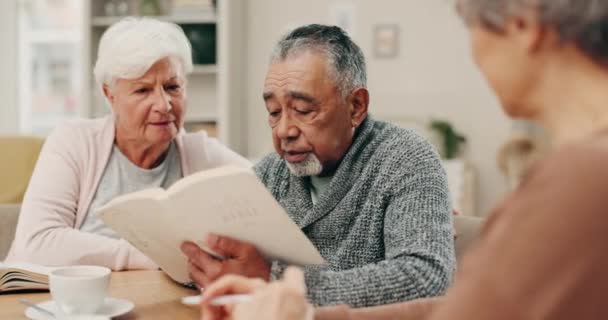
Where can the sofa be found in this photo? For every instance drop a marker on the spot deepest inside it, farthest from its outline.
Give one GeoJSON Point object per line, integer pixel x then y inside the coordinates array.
{"type": "Point", "coordinates": [16, 166]}
{"type": "Point", "coordinates": [9, 214]}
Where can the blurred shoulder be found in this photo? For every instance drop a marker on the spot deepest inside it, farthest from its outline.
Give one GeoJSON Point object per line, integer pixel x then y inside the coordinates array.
{"type": "Point", "coordinates": [571, 183]}
{"type": "Point", "coordinates": [581, 162]}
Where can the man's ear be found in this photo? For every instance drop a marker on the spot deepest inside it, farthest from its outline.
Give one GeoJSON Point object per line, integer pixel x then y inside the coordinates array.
{"type": "Point", "coordinates": [108, 93]}
{"type": "Point", "coordinates": [359, 101]}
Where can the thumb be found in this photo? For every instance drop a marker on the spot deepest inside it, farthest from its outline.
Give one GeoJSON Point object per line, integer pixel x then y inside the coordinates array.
{"type": "Point", "coordinates": [294, 278]}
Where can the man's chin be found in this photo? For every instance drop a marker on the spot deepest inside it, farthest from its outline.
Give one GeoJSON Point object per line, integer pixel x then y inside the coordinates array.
{"type": "Point", "coordinates": [296, 158]}
{"type": "Point", "coordinates": [309, 166]}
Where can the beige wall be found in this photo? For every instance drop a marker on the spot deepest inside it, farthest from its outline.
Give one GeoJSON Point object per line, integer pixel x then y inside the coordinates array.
{"type": "Point", "coordinates": [433, 75]}
{"type": "Point", "coordinates": [8, 67]}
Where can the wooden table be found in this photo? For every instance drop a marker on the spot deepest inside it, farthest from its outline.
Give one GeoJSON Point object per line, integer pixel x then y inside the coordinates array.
{"type": "Point", "coordinates": [155, 297]}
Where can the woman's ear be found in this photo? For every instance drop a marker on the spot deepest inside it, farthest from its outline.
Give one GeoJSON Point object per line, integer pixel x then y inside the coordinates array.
{"type": "Point", "coordinates": [108, 93]}
{"type": "Point", "coordinates": [358, 106]}
{"type": "Point", "coordinates": [528, 32]}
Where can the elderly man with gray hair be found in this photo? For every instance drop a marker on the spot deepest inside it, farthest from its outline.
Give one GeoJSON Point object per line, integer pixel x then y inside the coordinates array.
{"type": "Point", "coordinates": [372, 197]}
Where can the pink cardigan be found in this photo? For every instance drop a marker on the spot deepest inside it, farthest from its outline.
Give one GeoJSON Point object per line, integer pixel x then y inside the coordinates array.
{"type": "Point", "coordinates": [62, 187]}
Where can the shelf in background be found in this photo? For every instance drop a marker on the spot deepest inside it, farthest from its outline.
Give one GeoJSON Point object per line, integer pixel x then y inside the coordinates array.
{"type": "Point", "coordinates": [204, 69]}
{"type": "Point", "coordinates": [201, 118]}
{"type": "Point", "coordinates": [52, 36]}
{"type": "Point", "coordinates": [210, 127]}
{"type": "Point", "coordinates": [202, 18]}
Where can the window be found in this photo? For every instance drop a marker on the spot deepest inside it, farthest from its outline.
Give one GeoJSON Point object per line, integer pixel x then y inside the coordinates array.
{"type": "Point", "coordinates": [51, 70]}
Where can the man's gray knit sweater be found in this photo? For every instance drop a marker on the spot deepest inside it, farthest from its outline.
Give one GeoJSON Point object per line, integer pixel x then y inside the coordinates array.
{"type": "Point", "coordinates": [383, 224]}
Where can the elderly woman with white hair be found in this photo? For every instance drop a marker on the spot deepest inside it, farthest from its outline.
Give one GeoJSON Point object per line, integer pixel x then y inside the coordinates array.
{"type": "Point", "coordinates": [542, 253]}
{"type": "Point", "coordinates": [141, 67]}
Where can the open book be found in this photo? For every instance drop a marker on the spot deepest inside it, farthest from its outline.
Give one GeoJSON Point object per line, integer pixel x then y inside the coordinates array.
{"type": "Point", "coordinates": [23, 276]}
{"type": "Point", "coordinates": [228, 201]}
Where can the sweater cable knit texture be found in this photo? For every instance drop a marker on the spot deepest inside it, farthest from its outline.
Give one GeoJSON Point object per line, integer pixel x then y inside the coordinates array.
{"type": "Point", "coordinates": [383, 224]}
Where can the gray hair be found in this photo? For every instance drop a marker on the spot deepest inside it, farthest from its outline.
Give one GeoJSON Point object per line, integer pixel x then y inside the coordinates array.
{"type": "Point", "coordinates": [345, 58]}
{"type": "Point", "coordinates": [131, 46]}
{"type": "Point", "coordinates": [583, 22]}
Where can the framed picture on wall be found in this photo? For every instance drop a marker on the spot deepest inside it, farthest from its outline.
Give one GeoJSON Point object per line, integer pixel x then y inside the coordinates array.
{"type": "Point", "coordinates": [386, 41]}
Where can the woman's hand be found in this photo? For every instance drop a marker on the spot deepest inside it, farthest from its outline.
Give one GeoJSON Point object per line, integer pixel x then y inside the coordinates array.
{"type": "Point", "coordinates": [230, 284]}
{"type": "Point", "coordinates": [285, 299]}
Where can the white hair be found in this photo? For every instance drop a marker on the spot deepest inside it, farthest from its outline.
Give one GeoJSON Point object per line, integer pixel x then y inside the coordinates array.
{"type": "Point", "coordinates": [311, 166]}
{"type": "Point", "coordinates": [131, 46]}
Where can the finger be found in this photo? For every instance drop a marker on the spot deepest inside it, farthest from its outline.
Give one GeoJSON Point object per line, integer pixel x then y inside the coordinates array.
{"type": "Point", "coordinates": [294, 278]}
{"type": "Point", "coordinates": [190, 249]}
{"type": "Point", "coordinates": [209, 265]}
{"type": "Point", "coordinates": [227, 247]}
{"type": "Point", "coordinates": [197, 275]}
{"type": "Point", "coordinates": [231, 284]}
{"type": "Point", "coordinates": [229, 308]}
{"type": "Point", "coordinates": [213, 313]}
{"type": "Point", "coordinates": [193, 251]}
{"type": "Point", "coordinates": [246, 310]}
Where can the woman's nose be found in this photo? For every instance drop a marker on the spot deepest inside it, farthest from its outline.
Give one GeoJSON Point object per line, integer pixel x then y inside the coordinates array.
{"type": "Point", "coordinates": [163, 102]}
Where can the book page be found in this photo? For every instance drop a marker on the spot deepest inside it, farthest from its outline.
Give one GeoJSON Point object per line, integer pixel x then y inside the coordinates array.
{"type": "Point", "coordinates": [199, 177]}
{"type": "Point", "coordinates": [232, 203]}
{"type": "Point", "coordinates": [23, 276]}
{"type": "Point", "coordinates": [20, 285]}
{"type": "Point", "coordinates": [27, 267]}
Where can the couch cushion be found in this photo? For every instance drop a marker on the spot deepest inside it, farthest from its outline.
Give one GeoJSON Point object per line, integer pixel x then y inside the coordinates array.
{"type": "Point", "coordinates": [9, 213]}
{"type": "Point", "coordinates": [17, 166]}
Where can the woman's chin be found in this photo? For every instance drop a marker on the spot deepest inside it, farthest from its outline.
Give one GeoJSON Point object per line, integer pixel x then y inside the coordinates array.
{"type": "Point", "coordinates": [515, 111]}
{"type": "Point", "coordinates": [162, 135]}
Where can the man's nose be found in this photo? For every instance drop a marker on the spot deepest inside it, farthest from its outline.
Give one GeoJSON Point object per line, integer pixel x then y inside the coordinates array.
{"type": "Point", "coordinates": [286, 128]}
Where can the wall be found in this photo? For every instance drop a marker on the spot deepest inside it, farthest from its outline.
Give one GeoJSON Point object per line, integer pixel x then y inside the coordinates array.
{"type": "Point", "coordinates": [8, 67]}
{"type": "Point", "coordinates": [432, 76]}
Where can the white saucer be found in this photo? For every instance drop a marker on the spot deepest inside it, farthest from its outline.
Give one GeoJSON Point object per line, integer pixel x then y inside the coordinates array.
{"type": "Point", "coordinates": [111, 308]}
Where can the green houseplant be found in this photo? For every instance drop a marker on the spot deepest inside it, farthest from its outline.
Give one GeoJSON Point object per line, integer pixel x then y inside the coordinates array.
{"type": "Point", "coordinates": [452, 141]}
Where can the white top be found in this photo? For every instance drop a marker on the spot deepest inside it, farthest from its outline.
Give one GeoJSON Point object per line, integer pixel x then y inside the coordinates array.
{"type": "Point", "coordinates": [122, 177]}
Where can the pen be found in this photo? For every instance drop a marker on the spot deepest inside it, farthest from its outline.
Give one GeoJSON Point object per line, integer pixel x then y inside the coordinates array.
{"type": "Point", "coordinates": [219, 301]}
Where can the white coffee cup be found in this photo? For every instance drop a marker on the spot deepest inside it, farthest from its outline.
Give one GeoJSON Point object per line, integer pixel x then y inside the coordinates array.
{"type": "Point", "coordinates": [79, 289]}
